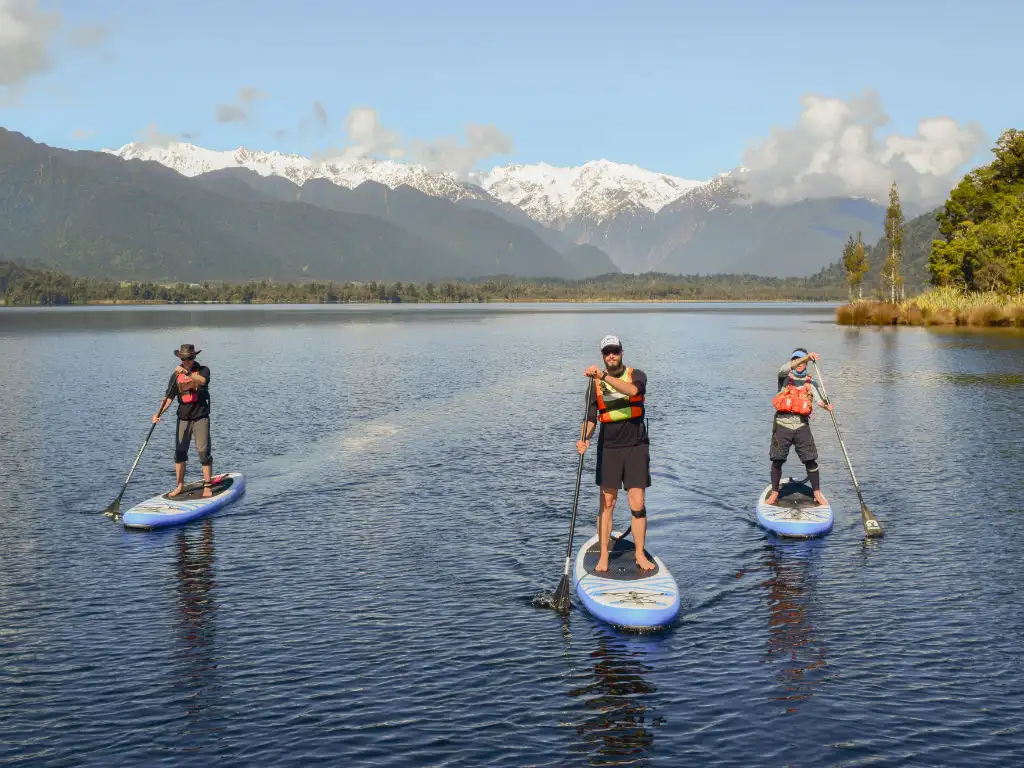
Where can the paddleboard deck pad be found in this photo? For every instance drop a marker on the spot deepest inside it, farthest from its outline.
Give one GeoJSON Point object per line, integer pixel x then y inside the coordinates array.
{"type": "Point", "coordinates": [163, 510]}
{"type": "Point", "coordinates": [795, 514]}
{"type": "Point", "coordinates": [625, 595]}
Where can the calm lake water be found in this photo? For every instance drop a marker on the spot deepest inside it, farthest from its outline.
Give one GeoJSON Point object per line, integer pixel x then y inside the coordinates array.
{"type": "Point", "coordinates": [410, 474]}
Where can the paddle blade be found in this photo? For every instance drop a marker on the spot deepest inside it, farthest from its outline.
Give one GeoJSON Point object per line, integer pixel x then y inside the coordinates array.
{"type": "Point", "coordinates": [560, 602]}
{"type": "Point", "coordinates": [114, 510]}
{"type": "Point", "coordinates": [872, 527]}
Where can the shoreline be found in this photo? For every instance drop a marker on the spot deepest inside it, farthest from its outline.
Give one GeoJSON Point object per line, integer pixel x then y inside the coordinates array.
{"type": "Point", "coordinates": [159, 302]}
{"type": "Point", "coordinates": [946, 307]}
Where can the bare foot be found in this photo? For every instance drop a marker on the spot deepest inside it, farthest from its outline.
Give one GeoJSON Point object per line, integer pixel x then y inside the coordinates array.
{"type": "Point", "coordinates": [207, 491]}
{"type": "Point", "coordinates": [643, 562]}
{"type": "Point", "coordinates": [175, 492]}
{"type": "Point", "coordinates": [772, 498]}
{"type": "Point", "coordinates": [602, 564]}
{"type": "Point", "coordinates": [820, 498]}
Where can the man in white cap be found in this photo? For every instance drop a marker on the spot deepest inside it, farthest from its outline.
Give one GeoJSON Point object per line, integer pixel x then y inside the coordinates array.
{"type": "Point", "coordinates": [623, 457]}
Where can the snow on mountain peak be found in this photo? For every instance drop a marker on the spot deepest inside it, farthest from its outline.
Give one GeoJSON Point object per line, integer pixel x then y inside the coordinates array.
{"type": "Point", "coordinates": [190, 160]}
{"type": "Point", "coordinates": [599, 189]}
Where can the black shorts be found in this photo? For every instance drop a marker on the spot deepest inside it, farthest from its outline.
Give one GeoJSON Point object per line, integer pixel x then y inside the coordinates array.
{"type": "Point", "coordinates": [624, 467]}
{"type": "Point", "coordinates": [801, 439]}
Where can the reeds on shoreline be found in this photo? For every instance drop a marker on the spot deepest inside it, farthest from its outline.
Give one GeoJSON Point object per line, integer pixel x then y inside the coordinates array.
{"type": "Point", "coordinates": [940, 306]}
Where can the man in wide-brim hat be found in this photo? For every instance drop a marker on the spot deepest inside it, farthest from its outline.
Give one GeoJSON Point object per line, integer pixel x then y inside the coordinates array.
{"type": "Point", "coordinates": [190, 384]}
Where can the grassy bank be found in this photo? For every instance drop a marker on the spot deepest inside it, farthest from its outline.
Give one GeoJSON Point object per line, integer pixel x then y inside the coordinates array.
{"type": "Point", "coordinates": [941, 306]}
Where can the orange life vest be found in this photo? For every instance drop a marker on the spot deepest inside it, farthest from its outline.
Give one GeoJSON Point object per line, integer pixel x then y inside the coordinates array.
{"type": "Point", "coordinates": [186, 395]}
{"type": "Point", "coordinates": [613, 405]}
{"type": "Point", "coordinates": [794, 399]}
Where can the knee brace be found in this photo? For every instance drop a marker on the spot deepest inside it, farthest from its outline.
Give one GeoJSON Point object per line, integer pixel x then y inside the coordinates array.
{"type": "Point", "coordinates": [639, 513]}
{"type": "Point", "coordinates": [812, 466]}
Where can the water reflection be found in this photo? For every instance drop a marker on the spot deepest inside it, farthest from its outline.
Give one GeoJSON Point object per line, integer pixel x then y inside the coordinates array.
{"type": "Point", "coordinates": [618, 728]}
{"type": "Point", "coordinates": [195, 649]}
{"type": "Point", "coordinates": [792, 642]}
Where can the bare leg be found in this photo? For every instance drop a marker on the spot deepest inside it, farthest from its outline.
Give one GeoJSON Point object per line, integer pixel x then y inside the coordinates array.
{"type": "Point", "coordinates": [179, 475]}
{"type": "Point", "coordinates": [604, 525]}
{"type": "Point", "coordinates": [207, 478]}
{"type": "Point", "coordinates": [639, 527]}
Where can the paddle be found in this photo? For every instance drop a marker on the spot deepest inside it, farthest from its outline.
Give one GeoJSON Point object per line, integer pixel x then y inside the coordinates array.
{"type": "Point", "coordinates": [560, 602]}
{"type": "Point", "coordinates": [872, 527]}
{"type": "Point", "coordinates": [115, 506]}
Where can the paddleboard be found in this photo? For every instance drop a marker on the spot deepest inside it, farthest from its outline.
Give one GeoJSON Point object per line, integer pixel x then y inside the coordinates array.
{"type": "Point", "coordinates": [163, 510]}
{"type": "Point", "coordinates": [625, 595]}
{"type": "Point", "coordinates": [795, 514]}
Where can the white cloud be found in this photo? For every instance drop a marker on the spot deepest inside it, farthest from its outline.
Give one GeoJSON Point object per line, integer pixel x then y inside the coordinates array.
{"type": "Point", "coordinates": [834, 149]}
{"type": "Point", "coordinates": [25, 36]}
{"type": "Point", "coordinates": [152, 136]}
{"type": "Point", "coordinates": [30, 41]}
{"type": "Point", "coordinates": [366, 136]}
{"type": "Point", "coordinates": [242, 110]}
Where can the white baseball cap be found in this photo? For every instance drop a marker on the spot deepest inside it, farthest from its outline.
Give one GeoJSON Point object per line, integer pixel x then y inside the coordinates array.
{"type": "Point", "coordinates": [610, 341]}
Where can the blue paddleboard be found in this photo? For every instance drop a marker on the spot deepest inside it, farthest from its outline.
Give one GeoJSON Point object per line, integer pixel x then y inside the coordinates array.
{"type": "Point", "coordinates": [795, 514]}
{"type": "Point", "coordinates": [624, 595]}
{"type": "Point", "coordinates": [162, 511]}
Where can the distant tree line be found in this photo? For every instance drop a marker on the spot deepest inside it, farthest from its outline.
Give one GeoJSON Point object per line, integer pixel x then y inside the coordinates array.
{"type": "Point", "coordinates": [23, 286]}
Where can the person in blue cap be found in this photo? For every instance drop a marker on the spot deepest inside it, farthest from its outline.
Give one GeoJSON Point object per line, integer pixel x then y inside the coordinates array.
{"type": "Point", "coordinates": [792, 425]}
{"type": "Point", "coordinates": [623, 457]}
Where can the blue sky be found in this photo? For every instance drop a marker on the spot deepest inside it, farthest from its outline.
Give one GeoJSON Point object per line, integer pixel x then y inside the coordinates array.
{"type": "Point", "coordinates": [678, 87]}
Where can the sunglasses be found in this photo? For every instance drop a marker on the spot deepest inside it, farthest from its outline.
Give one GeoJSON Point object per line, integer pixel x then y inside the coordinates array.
{"type": "Point", "coordinates": [611, 351]}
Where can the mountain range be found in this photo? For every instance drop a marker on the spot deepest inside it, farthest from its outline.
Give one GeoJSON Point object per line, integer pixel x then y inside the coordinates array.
{"type": "Point", "coordinates": [646, 221]}
{"type": "Point", "coordinates": [182, 212]}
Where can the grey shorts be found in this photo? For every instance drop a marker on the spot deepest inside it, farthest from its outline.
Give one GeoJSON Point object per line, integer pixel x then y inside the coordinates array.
{"type": "Point", "coordinates": [197, 431]}
{"type": "Point", "coordinates": [801, 439]}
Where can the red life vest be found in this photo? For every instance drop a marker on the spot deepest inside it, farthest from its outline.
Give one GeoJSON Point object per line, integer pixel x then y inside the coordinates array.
{"type": "Point", "coordinates": [794, 399]}
{"type": "Point", "coordinates": [186, 395]}
{"type": "Point", "coordinates": [613, 405]}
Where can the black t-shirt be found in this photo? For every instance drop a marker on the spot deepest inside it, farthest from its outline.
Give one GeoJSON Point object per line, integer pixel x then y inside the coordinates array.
{"type": "Point", "coordinates": [620, 434]}
{"type": "Point", "coordinates": [200, 409]}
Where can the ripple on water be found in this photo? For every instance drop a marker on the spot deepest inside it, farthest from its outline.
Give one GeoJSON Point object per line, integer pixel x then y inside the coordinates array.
{"type": "Point", "coordinates": [369, 600]}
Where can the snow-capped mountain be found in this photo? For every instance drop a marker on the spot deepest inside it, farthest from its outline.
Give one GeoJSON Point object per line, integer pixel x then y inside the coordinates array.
{"type": "Point", "coordinates": [190, 160]}
{"type": "Point", "coordinates": [598, 191]}
{"type": "Point", "coordinates": [642, 219]}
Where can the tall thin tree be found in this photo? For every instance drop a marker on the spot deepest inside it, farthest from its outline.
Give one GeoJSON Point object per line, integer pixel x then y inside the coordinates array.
{"type": "Point", "coordinates": [894, 237]}
{"type": "Point", "coordinates": [850, 265]}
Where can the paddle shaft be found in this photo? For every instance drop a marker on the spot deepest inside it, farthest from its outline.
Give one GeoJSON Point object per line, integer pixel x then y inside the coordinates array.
{"type": "Point", "coordinates": [115, 505]}
{"type": "Point", "coordinates": [835, 424]}
{"type": "Point", "coordinates": [872, 526]}
{"type": "Point", "coordinates": [579, 475]}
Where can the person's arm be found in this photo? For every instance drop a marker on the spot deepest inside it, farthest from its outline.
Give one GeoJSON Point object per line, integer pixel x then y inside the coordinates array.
{"type": "Point", "coordinates": [196, 379]}
{"type": "Point", "coordinates": [822, 401]}
{"type": "Point", "coordinates": [783, 375]}
{"type": "Point", "coordinates": [169, 395]}
{"type": "Point", "coordinates": [201, 376]}
{"type": "Point", "coordinates": [590, 426]}
{"type": "Point", "coordinates": [619, 385]}
{"type": "Point", "coordinates": [164, 405]}
{"type": "Point", "coordinates": [800, 361]}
